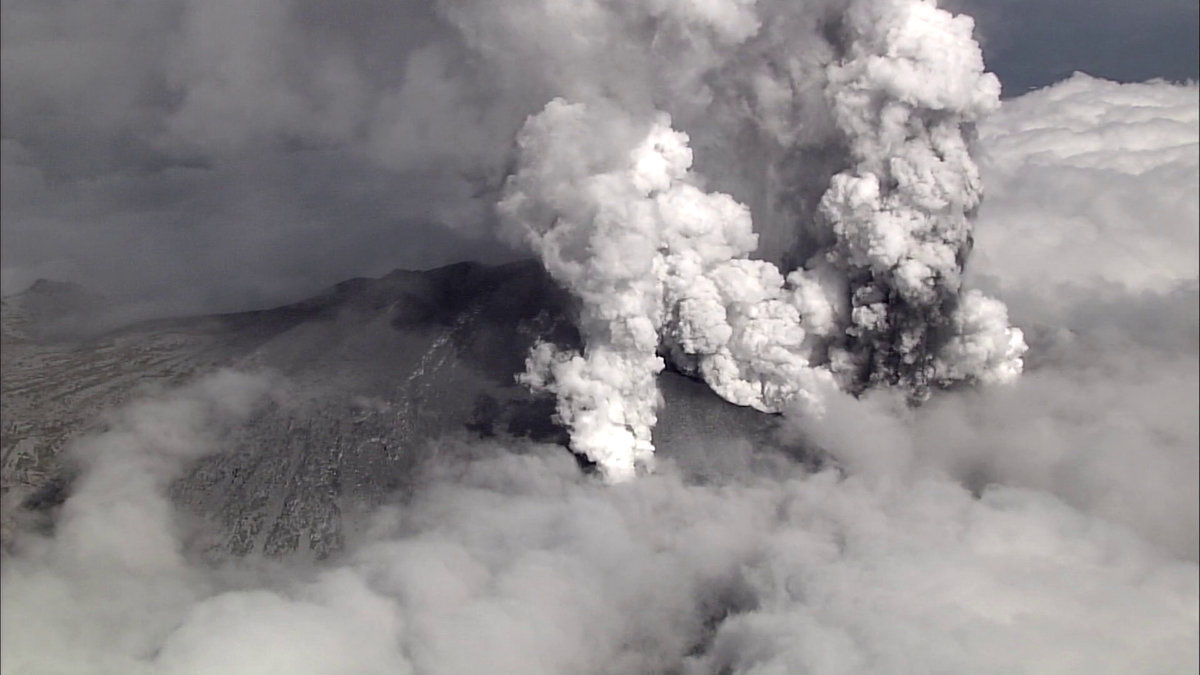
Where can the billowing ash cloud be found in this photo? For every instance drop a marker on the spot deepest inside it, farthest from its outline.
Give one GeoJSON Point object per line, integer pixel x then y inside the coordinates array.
{"type": "Point", "coordinates": [513, 562]}
{"type": "Point", "coordinates": [911, 83]}
{"type": "Point", "coordinates": [650, 256]}
{"type": "Point", "coordinates": [605, 192]}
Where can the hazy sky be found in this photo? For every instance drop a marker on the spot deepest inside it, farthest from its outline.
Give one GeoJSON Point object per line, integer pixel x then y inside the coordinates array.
{"type": "Point", "coordinates": [222, 155]}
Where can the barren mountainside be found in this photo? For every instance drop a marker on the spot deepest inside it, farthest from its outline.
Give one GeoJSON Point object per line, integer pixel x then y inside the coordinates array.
{"type": "Point", "coordinates": [379, 373]}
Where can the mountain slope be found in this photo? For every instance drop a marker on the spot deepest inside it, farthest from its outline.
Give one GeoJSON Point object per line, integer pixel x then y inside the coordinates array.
{"type": "Point", "coordinates": [379, 373]}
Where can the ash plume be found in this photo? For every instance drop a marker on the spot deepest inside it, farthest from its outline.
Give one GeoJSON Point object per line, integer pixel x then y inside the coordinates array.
{"type": "Point", "coordinates": [659, 255]}
{"type": "Point", "coordinates": [912, 83]}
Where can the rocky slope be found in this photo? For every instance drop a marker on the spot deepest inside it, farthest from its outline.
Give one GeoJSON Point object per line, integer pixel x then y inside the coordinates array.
{"type": "Point", "coordinates": [380, 373]}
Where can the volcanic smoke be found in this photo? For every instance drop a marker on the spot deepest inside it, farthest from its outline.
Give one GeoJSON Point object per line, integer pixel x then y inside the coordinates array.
{"type": "Point", "coordinates": [875, 103]}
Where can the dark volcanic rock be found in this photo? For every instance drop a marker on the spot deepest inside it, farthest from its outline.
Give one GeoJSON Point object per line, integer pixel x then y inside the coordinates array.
{"type": "Point", "coordinates": [382, 373]}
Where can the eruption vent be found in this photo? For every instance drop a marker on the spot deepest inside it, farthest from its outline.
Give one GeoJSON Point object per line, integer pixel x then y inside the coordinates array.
{"type": "Point", "coordinates": [605, 192]}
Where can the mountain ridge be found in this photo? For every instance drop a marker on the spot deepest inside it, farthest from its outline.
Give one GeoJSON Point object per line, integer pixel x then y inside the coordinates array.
{"type": "Point", "coordinates": [381, 371]}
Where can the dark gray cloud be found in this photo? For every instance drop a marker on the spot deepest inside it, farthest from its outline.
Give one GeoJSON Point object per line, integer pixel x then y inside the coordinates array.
{"type": "Point", "coordinates": [204, 156]}
{"type": "Point", "coordinates": [199, 156]}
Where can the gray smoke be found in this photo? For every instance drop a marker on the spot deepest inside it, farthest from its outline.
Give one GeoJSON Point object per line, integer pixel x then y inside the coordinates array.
{"type": "Point", "coordinates": [282, 149]}
{"type": "Point", "coordinates": [606, 194]}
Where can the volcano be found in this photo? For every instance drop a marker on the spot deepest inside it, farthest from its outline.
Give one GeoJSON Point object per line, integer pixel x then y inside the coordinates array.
{"type": "Point", "coordinates": [376, 371]}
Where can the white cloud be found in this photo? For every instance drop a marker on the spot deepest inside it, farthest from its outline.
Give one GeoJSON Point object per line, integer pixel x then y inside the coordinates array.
{"type": "Point", "coordinates": [103, 591]}
{"type": "Point", "coordinates": [1089, 232]}
{"type": "Point", "coordinates": [517, 564]}
{"type": "Point", "coordinates": [1091, 182]}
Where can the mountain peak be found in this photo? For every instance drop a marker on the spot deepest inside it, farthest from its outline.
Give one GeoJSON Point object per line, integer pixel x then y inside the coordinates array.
{"type": "Point", "coordinates": [52, 287]}
{"type": "Point", "coordinates": [51, 309]}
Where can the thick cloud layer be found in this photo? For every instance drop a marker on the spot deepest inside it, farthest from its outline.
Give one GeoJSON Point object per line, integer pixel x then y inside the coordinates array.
{"type": "Point", "coordinates": [1090, 234]}
{"type": "Point", "coordinates": [1084, 173]}
{"type": "Point", "coordinates": [516, 563]}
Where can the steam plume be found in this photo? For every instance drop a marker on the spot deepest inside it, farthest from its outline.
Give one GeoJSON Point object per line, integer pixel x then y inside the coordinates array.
{"type": "Point", "coordinates": [911, 85]}
{"type": "Point", "coordinates": [605, 192]}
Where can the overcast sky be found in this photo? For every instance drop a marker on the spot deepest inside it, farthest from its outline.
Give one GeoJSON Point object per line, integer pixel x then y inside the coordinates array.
{"type": "Point", "coordinates": [202, 156]}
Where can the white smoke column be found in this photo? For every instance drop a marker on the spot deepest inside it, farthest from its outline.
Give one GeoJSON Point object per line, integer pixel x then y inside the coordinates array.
{"type": "Point", "coordinates": [642, 247]}
{"type": "Point", "coordinates": [603, 193]}
{"type": "Point", "coordinates": [627, 231]}
{"type": "Point", "coordinates": [581, 199]}
{"type": "Point", "coordinates": [911, 82]}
